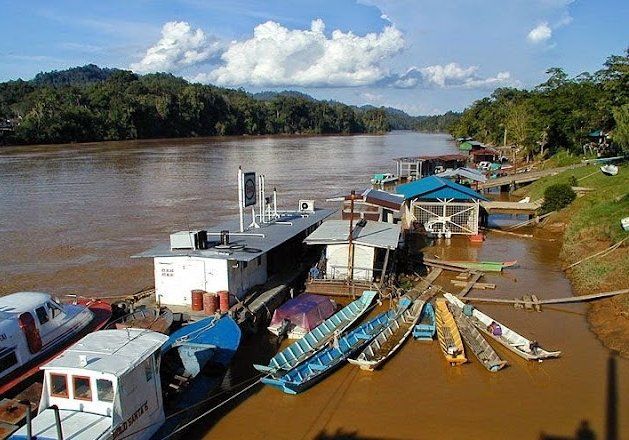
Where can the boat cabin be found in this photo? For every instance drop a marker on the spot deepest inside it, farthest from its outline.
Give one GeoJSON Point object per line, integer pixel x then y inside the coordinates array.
{"type": "Point", "coordinates": [107, 385]}
{"type": "Point", "coordinates": [372, 243]}
{"type": "Point", "coordinates": [33, 324]}
{"type": "Point", "coordinates": [413, 168]}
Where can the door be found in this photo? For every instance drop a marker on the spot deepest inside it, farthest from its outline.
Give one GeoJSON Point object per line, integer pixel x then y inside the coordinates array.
{"type": "Point", "coordinates": [33, 339]}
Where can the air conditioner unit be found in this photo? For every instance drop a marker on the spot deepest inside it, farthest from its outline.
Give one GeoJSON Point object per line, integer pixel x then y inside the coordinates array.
{"type": "Point", "coordinates": [306, 206]}
{"type": "Point", "coordinates": [188, 240]}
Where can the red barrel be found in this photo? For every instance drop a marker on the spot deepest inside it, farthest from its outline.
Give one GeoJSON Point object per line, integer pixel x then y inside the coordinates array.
{"type": "Point", "coordinates": [210, 303]}
{"type": "Point", "coordinates": [197, 300]}
{"type": "Point", "coordinates": [223, 296]}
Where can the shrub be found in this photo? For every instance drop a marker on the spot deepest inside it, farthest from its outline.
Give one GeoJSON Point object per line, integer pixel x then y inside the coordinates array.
{"type": "Point", "coordinates": [557, 196]}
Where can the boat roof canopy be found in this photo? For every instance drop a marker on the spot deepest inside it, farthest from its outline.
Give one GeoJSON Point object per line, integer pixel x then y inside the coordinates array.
{"type": "Point", "coordinates": [373, 234]}
{"type": "Point", "coordinates": [270, 235]}
{"type": "Point", "coordinates": [114, 352]}
{"type": "Point", "coordinates": [20, 302]}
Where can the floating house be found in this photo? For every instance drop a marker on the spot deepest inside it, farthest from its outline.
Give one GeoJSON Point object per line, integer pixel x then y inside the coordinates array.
{"type": "Point", "coordinates": [464, 176]}
{"type": "Point", "coordinates": [374, 205]}
{"type": "Point", "coordinates": [413, 168]}
{"type": "Point", "coordinates": [372, 243]}
{"type": "Point", "coordinates": [485, 155]}
{"type": "Point", "coordinates": [441, 206]}
{"type": "Point", "coordinates": [470, 145]}
{"type": "Point", "coordinates": [231, 257]}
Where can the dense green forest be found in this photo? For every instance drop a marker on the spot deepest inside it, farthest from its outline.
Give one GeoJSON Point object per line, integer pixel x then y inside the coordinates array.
{"type": "Point", "coordinates": [93, 104]}
{"type": "Point", "coordinates": [557, 114]}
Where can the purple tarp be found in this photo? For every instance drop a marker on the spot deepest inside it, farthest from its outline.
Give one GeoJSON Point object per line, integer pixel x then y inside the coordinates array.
{"type": "Point", "coordinates": [306, 311]}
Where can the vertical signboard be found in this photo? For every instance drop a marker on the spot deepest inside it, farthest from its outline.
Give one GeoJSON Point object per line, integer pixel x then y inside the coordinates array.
{"type": "Point", "coordinates": [249, 189]}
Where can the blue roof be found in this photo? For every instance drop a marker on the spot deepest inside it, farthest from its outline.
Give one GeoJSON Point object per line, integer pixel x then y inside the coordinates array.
{"type": "Point", "coordinates": [433, 187]}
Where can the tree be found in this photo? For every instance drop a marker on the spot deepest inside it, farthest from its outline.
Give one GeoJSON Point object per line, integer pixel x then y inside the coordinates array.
{"type": "Point", "coordinates": [621, 132]}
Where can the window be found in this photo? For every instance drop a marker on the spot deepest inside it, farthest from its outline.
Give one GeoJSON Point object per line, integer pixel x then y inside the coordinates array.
{"type": "Point", "coordinates": [82, 388]}
{"type": "Point", "coordinates": [105, 390]}
{"type": "Point", "coordinates": [42, 315]}
{"type": "Point", "coordinates": [148, 370]}
{"type": "Point", "coordinates": [59, 385]}
{"type": "Point", "coordinates": [54, 310]}
{"type": "Point", "coordinates": [7, 361]}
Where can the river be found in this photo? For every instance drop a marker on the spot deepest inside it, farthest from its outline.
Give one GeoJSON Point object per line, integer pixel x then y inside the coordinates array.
{"type": "Point", "coordinates": [71, 215]}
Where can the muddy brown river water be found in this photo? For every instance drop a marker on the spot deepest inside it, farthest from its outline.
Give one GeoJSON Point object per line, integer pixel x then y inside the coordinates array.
{"type": "Point", "coordinates": [70, 217]}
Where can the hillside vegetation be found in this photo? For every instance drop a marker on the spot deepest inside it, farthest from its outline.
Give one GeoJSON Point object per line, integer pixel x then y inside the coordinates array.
{"type": "Point", "coordinates": [557, 114]}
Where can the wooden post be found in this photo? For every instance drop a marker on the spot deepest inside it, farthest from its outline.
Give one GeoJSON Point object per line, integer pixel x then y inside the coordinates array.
{"type": "Point", "coordinates": [384, 267]}
{"type": "Point", "coordinates": [350, 245]}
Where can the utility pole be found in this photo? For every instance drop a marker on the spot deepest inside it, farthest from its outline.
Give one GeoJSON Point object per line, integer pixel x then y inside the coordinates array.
{"type": "Point", "coordinates": [350, 249]}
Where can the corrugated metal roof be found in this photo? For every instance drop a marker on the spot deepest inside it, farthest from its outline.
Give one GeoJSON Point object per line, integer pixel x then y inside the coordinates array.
{"type": "Point", "coordinates": [373, 234]}
{"type": "Point", "coordinates": [440, 157]}
{"type": "Point", "coordinates": [467, 173]}
{"type": "Point", "coordinates": [383, 198]}
{"type": "Point", "coordinates": [433, 187]}
{"type": "Point", "coordinates": [251, 247]}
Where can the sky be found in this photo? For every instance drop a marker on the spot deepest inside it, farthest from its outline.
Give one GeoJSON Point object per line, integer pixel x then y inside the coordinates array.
{"type": "Point", "coordinates": [422, 56]}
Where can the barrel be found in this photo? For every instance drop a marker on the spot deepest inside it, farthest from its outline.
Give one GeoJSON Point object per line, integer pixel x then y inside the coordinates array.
{"type": "Point", "coordinates": [223, 296]}
{"type": "Point", "coordinates": [197, 300]}
{"type": "Point", "coordinates": [210, 303]}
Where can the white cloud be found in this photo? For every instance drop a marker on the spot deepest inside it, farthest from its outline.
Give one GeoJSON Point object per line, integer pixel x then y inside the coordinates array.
{"type": "Point", "coordinates": [180, 46]}
{"type": "Point", "coordinates": [447, 76]}
{"type": "Point", "coordinates": [277, 56]}
{"type": "Point", "coordinates": [540, 33]}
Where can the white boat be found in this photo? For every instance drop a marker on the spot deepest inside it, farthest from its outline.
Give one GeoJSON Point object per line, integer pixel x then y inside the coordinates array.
{"type": "Point", "coordinates": [35, 327]}
{"type": "Point", "coordinates": [609, 169]}
{"type": "Point", "coordinates": [383, 178]}
{"type": "Point", "coordinates": [625, 223]}
{"type": "Point", "coordinates": [106, 386]}
{"type": "Point", "coordinates": [529, 350]}
{"type": "Point", "coordinates": [390, 339]}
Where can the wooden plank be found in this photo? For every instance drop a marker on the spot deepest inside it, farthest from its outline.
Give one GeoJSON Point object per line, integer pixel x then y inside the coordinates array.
{"type": "Point", "coordinates": [463, 276]}
{"type": "Point", "coordinates": [571, 299]}
{"type": "Point", "coordinates": [481, 286]}
{"type": "Point", "coordinates": [475, 277]}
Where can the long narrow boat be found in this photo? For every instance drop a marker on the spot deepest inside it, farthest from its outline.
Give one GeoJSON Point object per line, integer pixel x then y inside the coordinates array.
{"type": "Point", "coordinates": [324, 362]}
{"type": "Point", "coordinates": [448, 334]}
{"type": "Point", "coordinates": [426, 328]}
{"type": "Point", "coordinates": [483, 266]}
{"type": "Point", "coordinates": [515, 342]}
{"type": "Point", "coordinates": [484, 352]}
{"type": "Point", "coordinates": [390, 339]}
{"type": "Point", "coordinates": [319, 336]}
{"type": "Point", "coordinates": [34, 328]}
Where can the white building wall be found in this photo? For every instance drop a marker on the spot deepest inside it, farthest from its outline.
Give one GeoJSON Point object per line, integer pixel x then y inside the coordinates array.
{"type": "Point", "coordinates": [337, 255]}
{"type": "Point", "coordinates": [242, 278]}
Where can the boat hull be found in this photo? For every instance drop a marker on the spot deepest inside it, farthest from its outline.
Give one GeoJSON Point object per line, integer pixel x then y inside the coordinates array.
{"type": "Point", "coordinates": [448, 335]}
{"type": "Point", "coordinates": [426, 329]}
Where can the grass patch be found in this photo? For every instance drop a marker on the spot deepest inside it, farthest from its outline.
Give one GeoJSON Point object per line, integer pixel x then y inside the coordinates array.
{"type": "Point", "coordinates": [562, 159]}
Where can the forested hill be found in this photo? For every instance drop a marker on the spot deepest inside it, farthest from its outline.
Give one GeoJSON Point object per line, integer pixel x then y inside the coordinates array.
{"type": "Point", "coordinates": [93, 104]}
{"type": "Point", "coordinates": [562, 112]}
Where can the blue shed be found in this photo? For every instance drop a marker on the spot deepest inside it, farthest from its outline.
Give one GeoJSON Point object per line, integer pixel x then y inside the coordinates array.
{"type": "Point", "coordinates": [435, 188]}
{"type": "Point", "coordinates": [440, 207]}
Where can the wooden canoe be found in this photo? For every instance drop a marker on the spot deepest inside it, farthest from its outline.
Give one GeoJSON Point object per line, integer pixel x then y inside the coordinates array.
{"type": "Point", "coordinates": [484, 352]}
{"type": "Point", "coordinates": [483, 266]}
{"type": "Point", "coordinates": [158, 320]}
{"type": "Point", "coordinates": [426, 328]}
{"type": "Point", "coordinates": [390, 339]}
{"type": "Point", "coordinates": [448, 334]}
{"type": "Point", "coordinates": [529, 350]}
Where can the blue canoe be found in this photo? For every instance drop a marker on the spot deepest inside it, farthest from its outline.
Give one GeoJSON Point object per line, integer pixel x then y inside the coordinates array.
{"type": "Point", "coordinates": [318, 337]}
{"type": "Point", "coordinates": [324, 362]}
{"type": "Point", "coordinates": [210, 339]}
{"type": "Point", "coordinates": [425, 330]}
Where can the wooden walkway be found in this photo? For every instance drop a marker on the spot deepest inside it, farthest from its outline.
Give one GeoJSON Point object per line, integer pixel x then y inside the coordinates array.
{"type": "Point", "coordinates": [570, 299]}
{"type": "Point", "coordinates": [470, 284]}
{"type": "Point", "coordinates": [521, 178]}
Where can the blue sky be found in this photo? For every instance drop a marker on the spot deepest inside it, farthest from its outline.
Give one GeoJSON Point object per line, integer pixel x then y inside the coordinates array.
{"type": "Point", "coordinates": [422, 56]}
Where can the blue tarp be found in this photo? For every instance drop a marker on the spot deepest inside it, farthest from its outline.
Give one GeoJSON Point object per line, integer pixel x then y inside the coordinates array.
{"type": "Point", "coordinates": [433, 187]}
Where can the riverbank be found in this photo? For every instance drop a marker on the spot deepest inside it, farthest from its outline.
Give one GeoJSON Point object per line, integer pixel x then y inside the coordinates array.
{"type": "Point", "coordinates": [589, 225]}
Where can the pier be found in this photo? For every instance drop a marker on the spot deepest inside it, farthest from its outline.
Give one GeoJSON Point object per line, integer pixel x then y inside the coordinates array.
{"type": "Point", "coordinates": [513, 180]}
{"type": "Point", "coordinates": [498, 207]}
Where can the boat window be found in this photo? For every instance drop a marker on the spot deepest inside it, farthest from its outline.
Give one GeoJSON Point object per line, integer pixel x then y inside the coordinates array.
{"type": "Point", "coordinates": [42, 315]}
{"type": "Point", "coordinates": [105, 390]}
{"type": "Point", "coordinates": [7, 361]}
{"type": "Point", "coordinates": [148, 370]}
{"type": "Point", "coordinates": [55, 310]}
{"type": "Point", "coordinates": [59, 385]}
{"type": "Point", "coordinates": [82, 388]}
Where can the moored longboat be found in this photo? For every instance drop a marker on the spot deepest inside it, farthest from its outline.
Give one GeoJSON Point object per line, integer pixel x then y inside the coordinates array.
{"type": "Point", "coordinates": [317, 339]}
{"type": "Point", "coordinates": [324, 362]}
{"type": "Point", "coordinates": [390, 339]}
{"type": "Point", "coordinates": [523, 347]}
{"type": "Point", "coordinates": [448, 334]}
{"type": "Point", "coordinates": [156, 319]}
{"type": "Point", "coordinates": [484, 352]}
{"type": "Point", "coordinates": [425, 330]}
{"type": "Point", "coordinates": [297, 316]}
